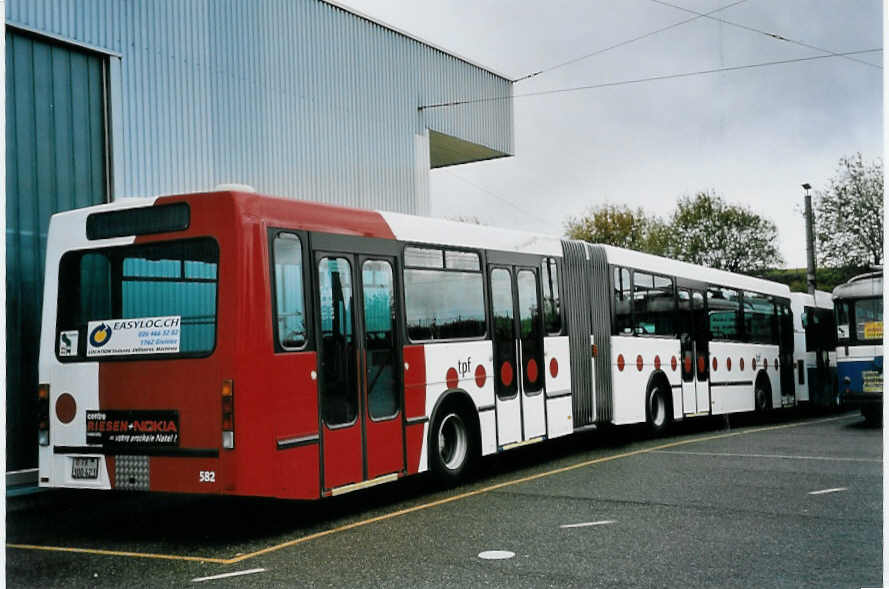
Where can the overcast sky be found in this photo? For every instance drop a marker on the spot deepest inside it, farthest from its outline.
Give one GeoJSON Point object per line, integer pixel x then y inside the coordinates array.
{"type": "Point", "coordinates": [753, 136]}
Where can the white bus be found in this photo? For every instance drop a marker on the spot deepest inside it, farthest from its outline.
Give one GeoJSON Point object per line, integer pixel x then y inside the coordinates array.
{"type": "Point", "coordinates": [814, 349]}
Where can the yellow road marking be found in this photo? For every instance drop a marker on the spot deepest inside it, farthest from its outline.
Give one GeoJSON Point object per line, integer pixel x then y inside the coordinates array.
{"type": "Point", "coordinates": [117, 553]}
{"type": "Point", "coordinates": [400, 512]}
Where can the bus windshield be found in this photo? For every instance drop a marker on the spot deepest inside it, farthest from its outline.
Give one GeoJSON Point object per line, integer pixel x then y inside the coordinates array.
{"type": "Point", "coordinates": [144, 300]}
{"type": "Point", "coordinates": [867, 314]}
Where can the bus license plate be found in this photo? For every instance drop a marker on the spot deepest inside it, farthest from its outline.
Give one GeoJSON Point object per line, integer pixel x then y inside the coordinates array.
{"type": "Point", "coordinates": [85, 468]}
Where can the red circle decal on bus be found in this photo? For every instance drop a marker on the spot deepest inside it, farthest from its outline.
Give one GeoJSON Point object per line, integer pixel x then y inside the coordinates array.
{"type": "Point", "coordinates": [728, 364]}
{"type": "Point", "coordinates": [674, 363]}
{"type": "Point", "coordinates": [66, 408]}
{"type": "Point", "coordinates": [715, 364]}
{"type": "Point", "coordinates": [531, 370]}
{"type": "Point", "coordinates": [554, 368]}
{"type": "Point", "coordinates": [702, 364]}
{"type": "Point", "coordinates": [480, 376]}
{"type": "Point", "coordinates": [657, 362]}
{"type": "Point", "coordinates": [451, 378]}
{"type": "Point", "coordinates": [753, 363]}
{"type": "Point", "coordinates": [506, 374]}
{"type": "Point", "coordinates": [686, 364]}
{"type": "Point", "coordinates": [639, 363]}
{"type": "Point", "coordinates": [620, 362]}
{"type": "Point", "coordinates": [741, 360]}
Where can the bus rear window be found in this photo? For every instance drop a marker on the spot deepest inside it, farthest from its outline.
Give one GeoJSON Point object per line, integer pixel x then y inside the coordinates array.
{"type": "Point", "coordinates": [148, 300]}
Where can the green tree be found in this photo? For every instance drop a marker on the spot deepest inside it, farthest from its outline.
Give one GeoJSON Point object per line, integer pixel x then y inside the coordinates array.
{"type": "Point", "coordinates": [849, 215]}
{"type": "Point", "coordinates": [620, 226]}
{"type": "Point", "coordinates": [707, 230]}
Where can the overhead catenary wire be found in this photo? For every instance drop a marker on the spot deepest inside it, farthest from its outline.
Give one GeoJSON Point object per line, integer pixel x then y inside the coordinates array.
{"type": "Point", "coordinates": [495, 195]}
{"type": "Point", "coordinates": [626, 42]}
{"type": "Point", "coordinates": [709, 15]}
{"type": "Point", "coordinates": [648, 79]}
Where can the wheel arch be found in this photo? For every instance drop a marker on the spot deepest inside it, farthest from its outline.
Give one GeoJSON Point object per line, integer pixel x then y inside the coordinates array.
{"type": "Point", "coordinates": [462, 402]}
{"type": "Point", "coordinates": [763, 380]}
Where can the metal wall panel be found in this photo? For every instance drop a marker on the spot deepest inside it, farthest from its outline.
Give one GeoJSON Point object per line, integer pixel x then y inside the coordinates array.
{"type": "Point", "coordinates": [295, 97]}
{"type": "Point", "coordinates": [55, 160]}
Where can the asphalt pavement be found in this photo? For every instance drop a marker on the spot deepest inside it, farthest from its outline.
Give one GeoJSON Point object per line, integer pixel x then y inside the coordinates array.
{"type": "Point", "coordinates": [792, 502]}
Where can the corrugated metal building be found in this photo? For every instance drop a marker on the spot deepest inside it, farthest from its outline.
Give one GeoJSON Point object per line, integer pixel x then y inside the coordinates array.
{"type": "Point", "coordinates": [299, 98]}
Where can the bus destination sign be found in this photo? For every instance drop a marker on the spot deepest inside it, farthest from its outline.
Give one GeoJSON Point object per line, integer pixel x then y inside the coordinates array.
{"type": "Point", "coordinates": [133, 429]}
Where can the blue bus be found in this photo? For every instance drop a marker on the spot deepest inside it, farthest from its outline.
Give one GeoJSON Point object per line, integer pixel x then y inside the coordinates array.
{"type": "Point", "coordinates": [858, 305]}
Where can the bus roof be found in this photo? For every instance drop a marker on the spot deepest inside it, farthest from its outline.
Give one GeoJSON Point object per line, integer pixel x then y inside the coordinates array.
{"type": "Point", "coordinates": [821, 300]}
{"type": "Point", "coordinates": [314, 216]}
{"type": "Point", "coordinates": [659, 265]}
{"type": "Point", "coordinates": [863, 285]}
{"type": "Point", "coordinates": [455, 233]}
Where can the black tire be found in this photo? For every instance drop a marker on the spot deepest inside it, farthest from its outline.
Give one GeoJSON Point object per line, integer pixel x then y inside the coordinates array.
{"type": "Point", "coordinates": [657, 410]}
{"type": "Point", "coordinates": [452, 447]}
{"type": "Point", "coordinates": [872, 415]}
{"type": "Point", "coordinates": [762, 398]}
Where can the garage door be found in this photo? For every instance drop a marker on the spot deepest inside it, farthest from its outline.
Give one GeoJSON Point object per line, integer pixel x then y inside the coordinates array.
{"type": "Point", "coordinates": [55, 160]}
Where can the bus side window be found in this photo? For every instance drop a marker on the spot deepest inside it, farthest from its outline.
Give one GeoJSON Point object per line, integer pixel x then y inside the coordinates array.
{"type": "Point", "coordinates": [759, 324]}
{"type": "Point", "coordinates": [552, 312]}
{"type": "Point", "coordinates": [723, 306]}
{"type": "Point", "coordinates": [290, 317]}
{"type": "Point", "coordinates": [623, 292]}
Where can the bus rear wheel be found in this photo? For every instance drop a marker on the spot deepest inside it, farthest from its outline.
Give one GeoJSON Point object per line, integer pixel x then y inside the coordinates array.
{"type": "Point", "coordinates": [762, 398]}
{"type": "Point", "coordinates": [872, 415]}
{"type": "Point", "coordinates": [452, 447]}
{"type": "Point", "coordinates": [657, 414]}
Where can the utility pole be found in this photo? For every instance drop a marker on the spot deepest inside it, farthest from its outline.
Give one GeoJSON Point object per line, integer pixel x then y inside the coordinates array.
{"type": "Point", "coordinates": [810, 241]}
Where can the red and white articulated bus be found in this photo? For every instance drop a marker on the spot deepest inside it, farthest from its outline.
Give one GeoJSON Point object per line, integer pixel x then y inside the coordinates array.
{"type": "Point", "coordinates": [234, 343]}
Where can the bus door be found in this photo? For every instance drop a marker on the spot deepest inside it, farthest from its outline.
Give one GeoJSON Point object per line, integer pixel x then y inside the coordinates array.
{"type": "Point", "coordinates": [358, 359]}
{"type": "Point", "coordinates": [518, 353]}
{"type": "Point", "coordinates": [694, 347]}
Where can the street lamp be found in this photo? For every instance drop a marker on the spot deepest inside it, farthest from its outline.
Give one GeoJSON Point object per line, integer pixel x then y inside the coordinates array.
{"type": "Point", "coordinates": [810, 241]}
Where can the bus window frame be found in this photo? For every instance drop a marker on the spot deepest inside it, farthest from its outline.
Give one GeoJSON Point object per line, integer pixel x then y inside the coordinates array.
{"type": "Point", "coordinates": [632, 277]}
{"type": "Point", "coordinates": [776, 319]}
{"type": "Point", "coordinates": [402, 290]}
{"type": "Point", "coordinates": [137, 357]}
{"type": "Point", "coordinates": [739, 315]}
{"type": "Point", "coordinates": [562, 327]}
{"type": "Point", "coordinates": [853, 340]}
{"type": "Point", "coordinates": [273, 234]}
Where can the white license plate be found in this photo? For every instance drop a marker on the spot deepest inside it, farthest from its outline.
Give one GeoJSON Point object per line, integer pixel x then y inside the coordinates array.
{"type": "Point", "coordinates": [85, 468]}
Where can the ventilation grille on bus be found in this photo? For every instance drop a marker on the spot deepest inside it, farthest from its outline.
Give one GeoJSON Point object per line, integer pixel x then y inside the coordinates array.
{"type": "Point", "coordinates": [588, 312]}
{"type": "Point", "coordinates": [132, 473]}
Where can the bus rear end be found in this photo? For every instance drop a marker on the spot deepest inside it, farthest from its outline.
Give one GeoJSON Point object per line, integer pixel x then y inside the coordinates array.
{"type": "Point", "coordinates": [136, 390]}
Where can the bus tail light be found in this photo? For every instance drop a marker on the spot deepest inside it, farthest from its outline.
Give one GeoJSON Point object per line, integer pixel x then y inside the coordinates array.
{"type": "Point", "coordinates": [228, 414]}
{"type": "Point", "coordinates": [43, 414]}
